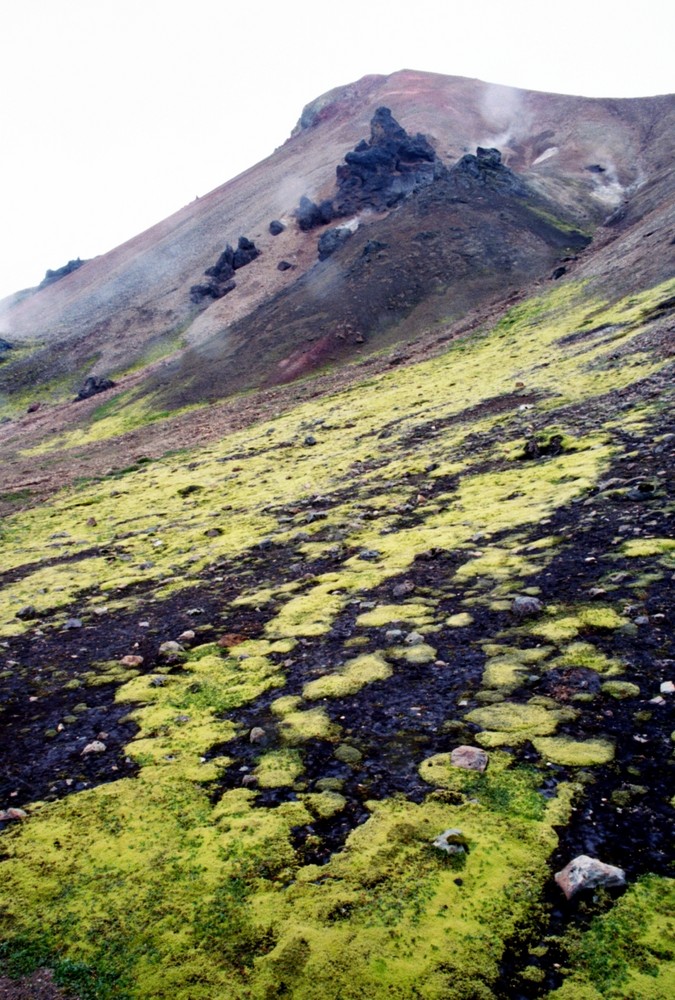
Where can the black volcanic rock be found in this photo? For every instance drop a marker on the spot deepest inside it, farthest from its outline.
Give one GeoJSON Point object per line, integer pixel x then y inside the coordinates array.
{"type": "Point", "coordinates": [222, 272]}
{"type": "Point", "coordinates": [486, 170]}
{"type": "Point", "coordinates": [5, 346]}
{"type": "Point", "coordinates": [379, 173]}
{"type": "Point", "coordinates": [376, 174]}
{"type": "Point", "coordinates": [246, 252]}
{"type": "Point", "coordinates": [311, 215]}
{"type": "Point", "coordinates": [276, 227]}
{"type": "Point", "coordinates": [331, 239]}
{"type": "Point", "coordinates": [92, 386]}
{"type": "Point", "coordinates": [61, 272]}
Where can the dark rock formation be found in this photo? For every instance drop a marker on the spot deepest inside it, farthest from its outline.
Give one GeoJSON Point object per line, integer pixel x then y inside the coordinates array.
{"type": "Point", "coordinates": [487, 170]}
{"type": "Point", "coordinates": [311, 215]}
{"type": "Point", "coordinates": [331, 239]}
{"type": "Point", "coordinates": [284, 265]}
{"type": "Point", "coordinates": [92, 386]}
{"type": "Point", "coordinates": [61, 272]}
{"type": "Point", "coordinates": [246, 252]}
{"type": "Point", "coordinates": [379, 173]}
{"type": "Point", "coordinates": [276, 227]}
{"type": "Point", "coordinates": [221, 273]}
{"type": "Point", "coordinates": [376, 174]}
{"type": "Point", "coordinates": [5, 348]}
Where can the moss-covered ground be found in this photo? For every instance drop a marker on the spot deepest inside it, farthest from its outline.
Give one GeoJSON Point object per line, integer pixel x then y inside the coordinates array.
{"type": "Point", "coordinates": [340, 582]}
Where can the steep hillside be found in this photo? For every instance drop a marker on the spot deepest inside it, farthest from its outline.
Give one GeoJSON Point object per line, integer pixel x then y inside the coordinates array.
{"type": "Point", "coordinates": [588, 160]}
{"type": "Point", "coordinates": [234, 678]}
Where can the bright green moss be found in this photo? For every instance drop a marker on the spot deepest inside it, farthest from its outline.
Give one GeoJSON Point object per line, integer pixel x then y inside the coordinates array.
{"type": "Point", "coordinates": [574, 753]}
{"type": "Point", "coordinates": [508, 723]}
{"type": "Point", "coordinates": [627, 952]}
{"type": "Point", "coordinates": [350, 678]}
{"type": "Point", "coordinates": [298, 727]}
{"type": "Point", "coordinates": [461, 620]}
{"type": "Point", "coordinates": [505, 672]}
{"type": "Point", "coordinates": [620, 689]}
{"type": "Point", "coordinates": [387, 614]}
{"type": "Point", "coordinates": [585, 654]}
{"type": "Point", "coordinates": [278, 768]}
{"type": "Point", "coordinates": [563, 627]}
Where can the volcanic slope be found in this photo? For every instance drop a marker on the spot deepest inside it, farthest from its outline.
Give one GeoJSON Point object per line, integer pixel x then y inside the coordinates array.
{"type": "Point", "coordinates": [250, 811]}
{"type": "Point", "coordinates": [599, 167]}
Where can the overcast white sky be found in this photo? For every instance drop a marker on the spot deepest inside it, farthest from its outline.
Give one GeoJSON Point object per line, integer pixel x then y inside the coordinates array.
{"type": "Point", "coordinates": [115, 113]}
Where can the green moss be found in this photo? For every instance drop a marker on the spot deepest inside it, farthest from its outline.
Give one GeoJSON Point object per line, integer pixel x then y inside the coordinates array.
{"type": "Point", "coordinates": [278, 768]}
{"type": "Point", "coordinates": [585, 654]}
{"type": "Point", "coordinates": [629, 951]}
{"type": "Point", "coordinates": [298, 727]}
{"type": "Point", "coordinates": [351, 678]}
{"type": "Point", "coordinates": [508, 723]}
{"type": "Point", "coordinates": [574, 753]}
{"type": "Point", "coordinates": [387, 614]}
{"type": "Point", "coordinates": [504, 672]}
{"type": "Point", "coordinates": [461, 620]}
{"type": "Point", "coordinates": [565, 626]}
{"type": "Point", "coordinates": [620, 689]}
{"type": "Point", "coordinates": [418, 654]}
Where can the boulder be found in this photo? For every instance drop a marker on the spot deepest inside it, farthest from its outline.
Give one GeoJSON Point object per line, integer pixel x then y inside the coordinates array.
{"type": "Point", "coordinates": [246, 252]}
{"type": "Point", "coordinates": [92, 386]}
{"type": "Point", "coordinates": [276, 227]}
{"type": "Point", "coordinates": [332, 239]}
{"type": "Point", "coordinates": [470, 758]}
{"type": "Point", "coordinates": [588, 873]}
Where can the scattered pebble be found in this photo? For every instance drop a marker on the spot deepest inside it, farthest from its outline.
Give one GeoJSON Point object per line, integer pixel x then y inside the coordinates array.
{"type": "Point", "coordinates": [96, 746]}
{"type": "Point", "coordinates": [131, 660]}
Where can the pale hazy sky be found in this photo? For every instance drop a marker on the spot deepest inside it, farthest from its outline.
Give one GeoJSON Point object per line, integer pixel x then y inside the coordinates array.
{"type": "Point", "coordinates": [115, 113]}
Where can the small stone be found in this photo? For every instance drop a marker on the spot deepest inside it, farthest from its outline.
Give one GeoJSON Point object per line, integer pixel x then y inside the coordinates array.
{"type": "Point", "coordinates": [588, 873]}
{"type": "Point", "coordinates": [170, 649]}
{"type": "Point", "coordinates": [158, 681]}
{"type": "Point", "coordinates": [413, 639]}
{"type": "Point", "coordinates": [12, 815]}
{"type": "Point", "coordinates": [471, 758]}
{"type": "Point", "coordinates": [94, 747]}
{"type": "Point", "coordinates": [347, 754]}
{"type": "Point", "coordinates": [181, 719]}
{"type": "Point", "coordinates": [667, 687]}
{"type": "Point", "coordinates": [369, 554]}
{"type": "Point", "coordinates": [195, 611]}
{"type": "Point", "coordinates": [393, 635]}
{"type": "Point", "coordinates": [276, 227]}
{"type": "Point", "coordinates": [403, 589]}
{"type": "Point", "coordinates": [29, 611]}
{"type": "Point", "coordinates": [73, 623]}
{"type": "Point", "coordinates": [310, 440]}
{"type": "Point", "coordinates": [641, 620]}
{"type": "Point", "coordinates": [131, 660]}
{"type": "Point", "coordinates": [523, 606]}
{"type": "Point", "coordinates": [258, 735]}
{"type": "Point", "coordinates": [186, 637]}
{"type": "Point", "coordinates": [213, 532]}
{"type": "Point", "coordinates": [249, 781]}
{"type": "Point", "coordinates": [451, 842]}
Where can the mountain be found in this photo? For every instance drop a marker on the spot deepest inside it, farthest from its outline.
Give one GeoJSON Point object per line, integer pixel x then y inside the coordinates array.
{"type": "Point", "coordinates": [335, 645]}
